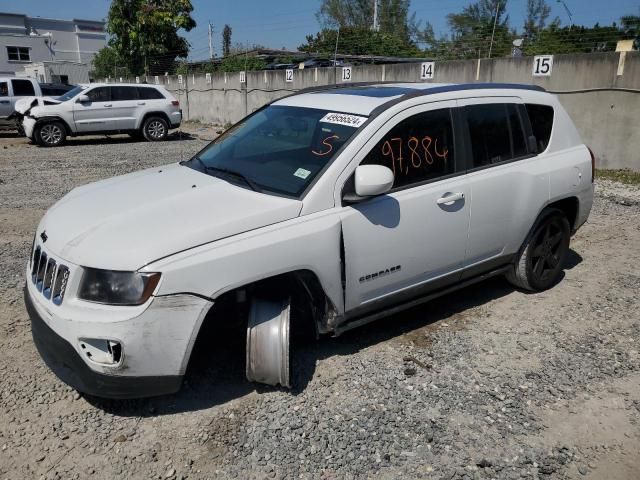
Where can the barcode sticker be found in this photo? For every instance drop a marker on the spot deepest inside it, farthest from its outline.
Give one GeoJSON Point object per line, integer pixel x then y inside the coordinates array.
{"type": "Point", "coordinates": [344, 119]}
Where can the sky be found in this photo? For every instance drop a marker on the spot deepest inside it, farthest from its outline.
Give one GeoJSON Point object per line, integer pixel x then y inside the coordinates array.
{"type": "Point", "coordinates": [285, 23]}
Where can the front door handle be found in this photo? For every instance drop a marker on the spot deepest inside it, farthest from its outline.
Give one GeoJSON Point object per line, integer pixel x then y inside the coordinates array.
{"type": "Point", "coordinates": [142, 103]}
{"type": "Point", "coordinates": [108, 105]}
{"type": "Point", "coordinates": [4, 101]}
{"type": "Point", "coordinates": [449, 197]}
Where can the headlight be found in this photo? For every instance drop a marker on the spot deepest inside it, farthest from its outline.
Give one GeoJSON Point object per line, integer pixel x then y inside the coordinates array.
{"type": "Point", "coordinates": [117, 288]}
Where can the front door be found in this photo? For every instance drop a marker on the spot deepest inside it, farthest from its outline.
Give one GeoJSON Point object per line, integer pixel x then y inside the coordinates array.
{"type": "Point", "coordinates": [96, 114]}
{"type": "Point", "coordinates": [6, 106]}
{"type": "Point", "coordinates": [416, 234]}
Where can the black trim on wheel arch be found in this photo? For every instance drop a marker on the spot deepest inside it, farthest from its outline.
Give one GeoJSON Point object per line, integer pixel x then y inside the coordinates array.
{"type": "Point", "coordinates": [60, 356]}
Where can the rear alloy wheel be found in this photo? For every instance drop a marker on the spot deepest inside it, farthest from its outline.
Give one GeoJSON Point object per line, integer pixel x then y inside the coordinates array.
{"type": "Point", "coordinates": [51, 134]}
{"type": "Point", "coordinates": [543, 256]}
{"type": "Point", "coordinates": [155, 129]}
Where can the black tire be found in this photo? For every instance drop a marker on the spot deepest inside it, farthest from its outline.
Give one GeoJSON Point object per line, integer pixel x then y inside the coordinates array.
{"type": "Point", "coordinates": [155, 129]}
{"type": "Point", "coordinates": [541, 258]}
{"type": "Point", "coordinates": [50, 134]}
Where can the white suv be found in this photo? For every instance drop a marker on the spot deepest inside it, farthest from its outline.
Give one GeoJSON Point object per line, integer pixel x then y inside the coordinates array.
{"type": "Point", "coordinates": [324, 211]}
{"type": "Point", "coordinates": [141, 110]}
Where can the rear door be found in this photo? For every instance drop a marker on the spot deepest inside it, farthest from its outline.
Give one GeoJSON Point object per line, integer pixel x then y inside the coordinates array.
{"type": "Point", "coordinates": [97, 114]}
{"type": "Point", "coordinates": [125, 106]}
{"type": "Point", "coordinates": [507, 184]}
{"type": "Point", "coordinates": [6, 107]}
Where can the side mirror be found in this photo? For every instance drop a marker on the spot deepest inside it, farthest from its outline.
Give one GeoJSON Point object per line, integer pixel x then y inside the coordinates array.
{"type": "Point", "coordinates": [83, 99]}
{"type": "Point", "coordinates": [372, 180]}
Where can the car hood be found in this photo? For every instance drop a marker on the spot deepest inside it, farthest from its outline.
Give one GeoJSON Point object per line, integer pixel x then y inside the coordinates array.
{"type": "Point", "coordinates": [127, 222]}
{"type": "Point", "coordinates": [25, 104]}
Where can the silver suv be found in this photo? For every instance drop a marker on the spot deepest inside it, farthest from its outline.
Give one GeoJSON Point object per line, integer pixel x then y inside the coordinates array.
{"type": "Point", "coordinates": [140, 110]}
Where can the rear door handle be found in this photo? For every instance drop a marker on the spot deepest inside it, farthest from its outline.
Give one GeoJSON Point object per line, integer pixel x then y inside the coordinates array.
{"type": "Point", "coordinates": [142, 103]}
{"type": "Point", "coordinates": [4, 101]}
{"type": "Point", "coordinates": [450, 198]}
{"type": "Point", "coordinates": [108, 105]}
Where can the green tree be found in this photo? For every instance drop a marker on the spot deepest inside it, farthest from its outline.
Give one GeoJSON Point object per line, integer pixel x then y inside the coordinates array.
{"type": "Point", "coordinates": [226, 41]}
{"type": "Point", "coordinates": [237, 63]}
{"type": "Point", "coordinates": [472, 29]}
{"type": "Point", "coordinates": [106, 64]}
{"type": "Point", "coordinates": [359, 41]}
{"type": "Point", "coordinates": [144, 33]}
{"type": "Point", "coordinates": [537, 14]}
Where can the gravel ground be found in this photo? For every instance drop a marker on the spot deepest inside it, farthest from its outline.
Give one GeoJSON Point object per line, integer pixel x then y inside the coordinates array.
{"type": "Point", "coordinates": [484, 383]}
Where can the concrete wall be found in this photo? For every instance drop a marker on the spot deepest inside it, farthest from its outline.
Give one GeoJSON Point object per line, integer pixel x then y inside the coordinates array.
{"type": "Point", "coordinates": [607, 117]}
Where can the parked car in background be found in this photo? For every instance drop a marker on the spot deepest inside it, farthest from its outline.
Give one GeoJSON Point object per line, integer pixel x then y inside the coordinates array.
{"type": "Point", "coordinates": [320, 212]}
{"type": "Point", "coordinates": [140, 110]}
{"type": "Point", "coordinates": [13, 89]}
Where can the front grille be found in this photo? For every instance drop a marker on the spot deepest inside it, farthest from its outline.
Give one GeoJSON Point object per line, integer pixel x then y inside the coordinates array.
{"type": "Point", "coordinates": [49, 276]}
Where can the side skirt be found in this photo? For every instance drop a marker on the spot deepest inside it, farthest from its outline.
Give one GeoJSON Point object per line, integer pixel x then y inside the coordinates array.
{"type": "Point", "coordinates": [355, 322]}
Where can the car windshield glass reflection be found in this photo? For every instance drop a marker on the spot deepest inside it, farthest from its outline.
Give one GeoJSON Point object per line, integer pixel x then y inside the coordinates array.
{"type": "Point", "coordinates": [279, 149]}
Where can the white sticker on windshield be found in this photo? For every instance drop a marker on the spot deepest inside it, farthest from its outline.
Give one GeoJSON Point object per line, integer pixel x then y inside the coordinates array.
{"type": "Point", "coordinates": [344, 119]}
{"type": "Point", "coordinates": [302, 173]}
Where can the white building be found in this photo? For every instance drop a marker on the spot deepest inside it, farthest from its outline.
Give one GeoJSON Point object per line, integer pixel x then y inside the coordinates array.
{"type": "Point", "coordinates": [25, 40]}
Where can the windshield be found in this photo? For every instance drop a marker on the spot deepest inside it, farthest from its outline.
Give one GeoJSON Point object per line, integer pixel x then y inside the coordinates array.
{"type": "Point", "coordinates": [278, 149]}
{"type": "Point", "coordinates": [71, 93]}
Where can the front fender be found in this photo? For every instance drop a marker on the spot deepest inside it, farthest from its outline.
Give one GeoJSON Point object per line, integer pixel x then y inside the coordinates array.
{"type": "Point", "coordinates": [304, 243]}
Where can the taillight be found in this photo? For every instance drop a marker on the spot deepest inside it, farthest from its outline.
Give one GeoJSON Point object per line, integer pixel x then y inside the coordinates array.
{"type": "Point", "coordinates": [175, 103]}
{"type": "Point", "coordinates": [593, 164]}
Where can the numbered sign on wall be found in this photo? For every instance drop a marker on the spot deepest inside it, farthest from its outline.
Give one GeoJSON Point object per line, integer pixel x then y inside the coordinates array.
{"type": "Point", "coordinates": [426, 70]}
{"type": "Point", "coordinates": [243, 77]}
{"type": "Point", "coordinates": [208, 77]}
{"type": "Point", "coordinates": [179, 79]}
{"type": "Point", "coordinates": [157, 79]}
{"type": "Point", "coordinates": [542, 65]}
{"type": "Point", "coordinates": [137, 79]}
{"type": "Point", "coordinates": [288, 75]}
{"type": "Point", "coordinates": [346, 74]}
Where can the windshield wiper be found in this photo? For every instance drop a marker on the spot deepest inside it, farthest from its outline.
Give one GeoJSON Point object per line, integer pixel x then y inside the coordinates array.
{"type": "Point", "coordinates": [245, 179]}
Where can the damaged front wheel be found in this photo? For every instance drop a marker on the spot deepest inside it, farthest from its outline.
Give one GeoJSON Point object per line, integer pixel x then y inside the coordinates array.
{"type": "Point", "coordinates": [268, 342]}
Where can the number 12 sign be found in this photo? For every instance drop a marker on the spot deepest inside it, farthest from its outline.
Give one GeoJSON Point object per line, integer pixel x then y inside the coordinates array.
{"type": "Point", "coordinates": [426, 70]}
{"type": "Point", "coordinates": [542, 65]}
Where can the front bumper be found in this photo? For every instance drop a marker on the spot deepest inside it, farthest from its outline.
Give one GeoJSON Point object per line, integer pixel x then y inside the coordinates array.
{"type": "Point", "coordinates": [60, 356]}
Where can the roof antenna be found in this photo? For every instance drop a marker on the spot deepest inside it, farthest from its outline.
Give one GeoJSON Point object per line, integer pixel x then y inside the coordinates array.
{"type": "Point", "coordinates": [335, 55]}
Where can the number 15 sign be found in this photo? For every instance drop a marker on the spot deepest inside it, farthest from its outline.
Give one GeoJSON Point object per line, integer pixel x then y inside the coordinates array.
{"type": "Point", "coordinates": [542, 65]}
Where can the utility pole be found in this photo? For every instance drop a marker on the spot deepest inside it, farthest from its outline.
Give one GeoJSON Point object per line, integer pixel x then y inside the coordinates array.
{"type": "Point", "coordinates": [568, 13]}
{"type": "Point", "coordinates": [495, 20]}
{"type": "Point", "coordinates": [375, 15]}
{"type": "Point", "coordinates": [210, 41]}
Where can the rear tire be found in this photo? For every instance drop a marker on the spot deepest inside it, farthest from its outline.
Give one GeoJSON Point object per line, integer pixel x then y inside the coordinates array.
{"type": "Point", "coordinates": [541, 258]}
{"type": "Point", "coordinates": [155, 129]}
{"type": "Point", "coordinates": [51, 134]}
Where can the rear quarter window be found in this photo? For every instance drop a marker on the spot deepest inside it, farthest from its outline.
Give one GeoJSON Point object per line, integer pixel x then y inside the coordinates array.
{"type": "Point", "coordinates": [149, 93]}
{"type": "Point", "coordinates": [541, 118]}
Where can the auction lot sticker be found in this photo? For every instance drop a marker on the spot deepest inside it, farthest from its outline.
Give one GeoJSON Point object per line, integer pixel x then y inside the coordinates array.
{"type": "Point", "coordinates": [345, 119]}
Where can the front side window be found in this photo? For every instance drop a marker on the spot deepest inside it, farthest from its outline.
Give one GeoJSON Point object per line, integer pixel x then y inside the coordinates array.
{"type": "Point", "coordinates": [119, 94]}
{"type": "Point", "coordinates": [18, 54]}
{"type": "Point", "coordinates": [279, 149]}
{"type": "Point", "coordinates": [22, 88]}
{"type": "Point", "coordinates": [99, 94]}
{"type": "Point", "coordinates": [495, 132]}
{"type": "Point", "coordinates": [418, 149]}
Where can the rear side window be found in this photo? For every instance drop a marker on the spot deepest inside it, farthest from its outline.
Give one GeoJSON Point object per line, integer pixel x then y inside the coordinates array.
{"type": "Point", "coordinates": [4, 89]}
{"type": "Point", "coordinates": [541, 118]}
{"type": "Point", "coordinates": [22, 88]}
{"type": "Point", "coordinates": [496, 134]}
{"type": "Point", "coordinates": [149, 93]}
{"type": "Point", "coordinates": [417, 149]}
{"type": "Point", "coordinates": [99, 94]}
{"type": "Point", "coordinates": [123, 93]}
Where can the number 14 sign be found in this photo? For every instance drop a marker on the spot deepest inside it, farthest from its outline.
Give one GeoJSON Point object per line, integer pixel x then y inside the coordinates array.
{"type": "Point", "coordinates": [426, 70]}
